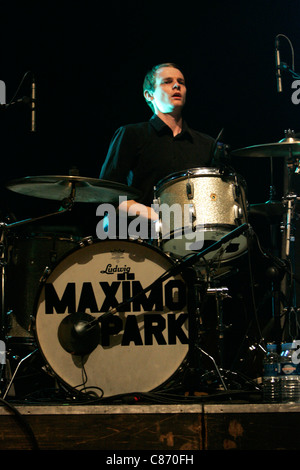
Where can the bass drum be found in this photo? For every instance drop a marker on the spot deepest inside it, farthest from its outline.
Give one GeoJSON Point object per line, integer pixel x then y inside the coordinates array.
{"type": "Point", "coordinates": [136, 350]}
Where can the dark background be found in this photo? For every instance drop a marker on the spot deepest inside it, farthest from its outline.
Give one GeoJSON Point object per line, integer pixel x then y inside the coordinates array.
{"type": "Point", "coordinates": [89, 62]}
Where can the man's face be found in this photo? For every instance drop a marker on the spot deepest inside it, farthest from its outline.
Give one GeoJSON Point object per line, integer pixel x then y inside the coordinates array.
{"type": "Point", "coordinates": [170, 90]}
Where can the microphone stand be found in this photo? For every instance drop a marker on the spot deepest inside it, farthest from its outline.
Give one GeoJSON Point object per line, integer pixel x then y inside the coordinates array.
{"type": "Point", "coordinates": [290, 252]}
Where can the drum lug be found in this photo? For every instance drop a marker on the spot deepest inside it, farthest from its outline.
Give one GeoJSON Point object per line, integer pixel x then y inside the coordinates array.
{"type": "Point", "coordinates": [45, 274]}
{"type": "Point", "coordinates": [236, 191]}
{"type": "Point", "coordinates": [158, 230]}
{"type": "Point", "coordinates": [86, 241]}
{"type": "Point", "coordinates": [238, 213]}
{"type": "Point", "coordinates": [190, 189]}
{"type": "Point", "coordinates": [193, 217]}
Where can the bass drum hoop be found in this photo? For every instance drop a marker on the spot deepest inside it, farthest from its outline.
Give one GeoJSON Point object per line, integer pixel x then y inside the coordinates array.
{"type": "Point", "coordinates": [201, 171]}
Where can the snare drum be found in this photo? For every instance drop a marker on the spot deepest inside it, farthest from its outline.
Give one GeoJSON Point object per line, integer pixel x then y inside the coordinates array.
{"type": "Point", "coordinates": [139, 348]}
{"type": "Point", "coordinates": [207, 204]}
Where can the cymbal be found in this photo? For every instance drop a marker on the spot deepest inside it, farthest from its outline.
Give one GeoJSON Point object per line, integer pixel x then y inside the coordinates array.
{"type": "Point", "coordinates": [283, 148]}
{"type": "Point", "coordinates": [270, 209]}
{"type": "Point", "coordinates": [82, 189]}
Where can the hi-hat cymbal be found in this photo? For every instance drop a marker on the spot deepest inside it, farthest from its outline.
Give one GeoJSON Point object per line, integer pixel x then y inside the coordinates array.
{"type": "Point", "coordinates": [269, 209]}
{"type": "Point", "coordinates": [284, 148]}
{"type": "Point", "coordinates": [82, 189]}
{"type": "Point", "coordinates": [272, 209]}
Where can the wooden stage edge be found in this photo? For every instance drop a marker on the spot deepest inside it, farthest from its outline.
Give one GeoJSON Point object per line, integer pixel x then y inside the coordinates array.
{"type": "Point", "coordinates": [182, 427]}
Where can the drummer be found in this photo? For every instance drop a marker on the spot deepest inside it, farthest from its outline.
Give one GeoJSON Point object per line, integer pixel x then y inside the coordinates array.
{"type": "Point", "coordinates": [141, 154]}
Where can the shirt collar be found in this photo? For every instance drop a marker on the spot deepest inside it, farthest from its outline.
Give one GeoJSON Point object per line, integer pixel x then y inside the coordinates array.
{"type": "Point", "coordinates": [160, 126]}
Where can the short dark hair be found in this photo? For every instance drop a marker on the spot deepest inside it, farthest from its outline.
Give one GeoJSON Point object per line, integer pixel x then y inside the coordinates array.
{"type": "Point", "coordinates": [150, 78]}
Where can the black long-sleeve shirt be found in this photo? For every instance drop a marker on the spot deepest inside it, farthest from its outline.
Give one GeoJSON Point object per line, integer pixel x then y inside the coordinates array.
{"type": "Point", "coordinates": [142, 154]}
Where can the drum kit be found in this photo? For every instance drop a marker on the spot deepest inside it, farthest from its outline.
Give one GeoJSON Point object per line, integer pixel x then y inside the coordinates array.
{"type": "Point", "coordinates": [120, 316]}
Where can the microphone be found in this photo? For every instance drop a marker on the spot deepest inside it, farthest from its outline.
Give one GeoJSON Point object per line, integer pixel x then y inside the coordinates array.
{"type": "Point", "coordinates": [33, 126]}
{"type": "Point", "coordinates": [79, 334]}
{"type": "Point", "coordinates": [278, 66]}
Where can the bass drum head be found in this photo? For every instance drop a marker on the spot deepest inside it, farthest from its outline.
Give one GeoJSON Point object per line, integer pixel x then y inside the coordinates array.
{"type": "Point", "coordinates": [136, 350]}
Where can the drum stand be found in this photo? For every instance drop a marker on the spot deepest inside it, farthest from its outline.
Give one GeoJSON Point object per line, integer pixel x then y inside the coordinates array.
{"type": "Point", "coordinates": [290, 200]}
{"type": "Point", "coordinates": [288, 251]}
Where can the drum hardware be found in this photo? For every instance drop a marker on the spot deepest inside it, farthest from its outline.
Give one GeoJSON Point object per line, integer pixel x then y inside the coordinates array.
{"type": "Point", "coordinates": [288, 148]}
{"type": "Point", "coordinates": [189, 188]}
{"type": "Point", "coordinates": [15, 372]}
{"type": "Point", "coordinates": [217, 369]}
{"type": "Point", "coordinates": [3, 262]}
{"type": "Point", "coordinates": [193, 217]}
{"type": "Point", "coordinates": [220, 294]}
{"type": "Point", "coordinates": [290, 200]}
{"type": "Point", "coordinates": [78, 188]}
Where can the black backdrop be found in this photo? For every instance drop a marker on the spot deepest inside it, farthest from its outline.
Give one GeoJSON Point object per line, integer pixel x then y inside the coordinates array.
{"type": "Point", "coordinates": [89, 62]}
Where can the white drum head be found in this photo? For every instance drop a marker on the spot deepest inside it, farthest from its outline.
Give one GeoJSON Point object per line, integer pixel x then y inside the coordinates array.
{"type": "Point", "coordinates": [138, 349]}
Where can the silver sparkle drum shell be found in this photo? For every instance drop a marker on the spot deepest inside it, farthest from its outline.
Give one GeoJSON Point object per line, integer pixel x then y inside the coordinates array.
{"type": "Point", "coordinates": [212, 203]}
{"type": "Point", "coordinates": [116, 368]}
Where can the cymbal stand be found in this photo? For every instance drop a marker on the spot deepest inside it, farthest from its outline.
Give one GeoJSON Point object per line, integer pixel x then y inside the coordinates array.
{"type": "Point", "coordinates": [220, 294]}
{"type": "Point", "coordinates": [196, 292]}
{"type": "Point", "coordinates": [3, 325]}
{"type": "Point", "coordinates": [272, 187]}
{"type": "Point", "coordinates": [3, 262]}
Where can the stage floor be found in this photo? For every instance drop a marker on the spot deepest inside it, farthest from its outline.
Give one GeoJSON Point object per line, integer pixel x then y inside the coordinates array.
{"type": "Point", "coordinates": [153, 427]}
{"type": "Point", "coordinates": [161, 421]}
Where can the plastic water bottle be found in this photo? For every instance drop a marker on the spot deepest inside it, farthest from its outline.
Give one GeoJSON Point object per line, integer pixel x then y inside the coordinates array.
{"type": "Point", "coordinates": [289, 375]}
{"type": "Point", "coordinates": [271, 378]}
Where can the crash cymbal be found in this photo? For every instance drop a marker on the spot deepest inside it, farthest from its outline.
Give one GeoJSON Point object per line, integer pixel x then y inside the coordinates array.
{"type": "Point", "coordinates": [82, 189]}
{"type": "Point", "coordinates": [283, 148]}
